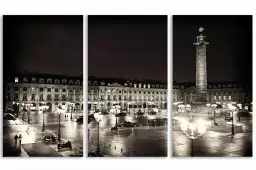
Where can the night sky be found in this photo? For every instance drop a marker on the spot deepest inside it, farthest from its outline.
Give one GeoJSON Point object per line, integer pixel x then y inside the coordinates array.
{"type": "Point", "coordinates": [229, 53]}
{"type": "Point", "coordinates": [43, 44]}
{"type": "Point", "coordinates": [128, 46]}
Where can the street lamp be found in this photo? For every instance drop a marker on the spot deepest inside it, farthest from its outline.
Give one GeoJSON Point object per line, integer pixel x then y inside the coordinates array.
{"type": "Point", "coordinates": [59, 112]}
{"type": "Point", "coordinates": [193, 129]}
{"type": "Point", "coordinates": [214, 114]}
{"type": "Point", "coordinates": [208, 106]}
{"type": "Point", "coordinates": [116, 107]}
{"type": "Point", "coordinates": [98, 117]}
{"type": "Point", "coordinates": [232, 108]}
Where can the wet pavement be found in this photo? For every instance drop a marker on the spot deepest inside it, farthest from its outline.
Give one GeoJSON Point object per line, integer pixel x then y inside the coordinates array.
{"type": "Point", "coordinates": [32, 133]}
{"type": "Point", "coordinates": [215, 143]}
{"type": "Point", "coordinates": [137, 141]}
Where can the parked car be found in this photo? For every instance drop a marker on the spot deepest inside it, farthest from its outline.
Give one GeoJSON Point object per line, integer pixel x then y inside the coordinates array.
{"type": "Point", "coordinates": [121, 114]}
{"type": "Point", "coordinates": [113, 128]}
{"type": "Point", "coordinates": [157, 122]}
{"type": "Point", "coordinates": [126, 124]}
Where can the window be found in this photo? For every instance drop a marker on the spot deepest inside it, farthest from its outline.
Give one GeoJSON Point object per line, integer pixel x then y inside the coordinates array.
{"type": "Point", "coordinates": [134, 92]}
{"type": "Point", "coordinates": [49, 81]}
{"type": "Point", "coordinates": [139, 85]}
{"type": "Point", "coordinates": [120, 97]}
{"type": "Point", "coordinates": [33, 97]}
{"type": "Point", "coordinates": [102, 83]}
{"type": "Point", "coordinates": [49, 97]}
{"type": "Point", "coordinates": [63, 90]}
{"type": "Point", "coordinates": [144, 86]}
{"type": "Point", "coordinates": [219, 97]}
{"type": "Point", "coordinates": [56, 81]}
{"type": "Point", "coordinates": [24, 88]}
{"type": "Point", "coordinates": [33, 80]}
{"type": "Point", "coordinates": [16, 96]}
{"type": "Point", "coordinates": [149, 86]}
{"type": "Point", "coordinates": [49, 90]}
{"type": "Point", "coordinates": [229, 97]}
{"type": "Point", "coordinates": [41, 80]}
{"type": "Point", "coordinates": [224, 98]}
{"type": "Point", "coordinates": [70, 91]}
{"type": "Point", "coordinates": [41, 89]}
{"type": "Point", "coordinates": [63, 103]}
{"type": "Point", "coordinates": [56, 97]}
{"type": "Point", "coordinates": [64, 81]}
{"type": "Point", "coordinates": [125, 84]}
{"type": "Point", "coordinates": [41, 97]}
{"type": "Point", "coordinates": [148, 92]}
{"type": "Point", "coordinates": [16, 79]}
{"type": "Point", "coordinates": [214, 97]}
{"type": "Point", "coordinates": [63, 98]}
{"type": "Point", "coordinates": [139, 92]}
{"type": "Point", "coordinates": [114, 97]}
{"type": "Point", "coordinates": [135, 85]}
{"type": "Point", "coordinates": [120, 91]}
{"type": "Point", "coordinates": [56, 90]}
{"type": "Point", "coordinates": [25, 80]}
{"type": "Point", "coordinates": [108, 97]}
{"type": "Point", "coordinates": [24, 97]}
{"type": "Point", "coordinates": [125, 97]}
{"type": "Point", "coordinates": [77, 82]}
{"type": "Point", "coordinates": [71, 82]}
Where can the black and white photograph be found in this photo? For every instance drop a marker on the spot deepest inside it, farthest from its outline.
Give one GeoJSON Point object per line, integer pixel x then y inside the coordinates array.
{"type": "Point", "coordinates": [42, 86]}
{"type": "Point", "coordinates": [127, 86]}
{"type": "Point", "coordinates": [212, 86]}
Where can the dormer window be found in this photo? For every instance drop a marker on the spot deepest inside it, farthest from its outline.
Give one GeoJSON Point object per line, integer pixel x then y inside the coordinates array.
{"type": "Point", "coordinates": [161, 86]}
{"type": "Point", "coordinates": [64, 81]}
{"type": "Point", "coordinates": [71, 82]}
{"type": "Point", "coordinates": [102, 83]}
{"type": "Point", "coordinates": [229, 85]}
{"type": "Point", "coordinates": [165, 86]}
{"type": "Point", "coordinates": [95, 83]}
{"type": "Point", "coordinates": [182, 87]}
{"type": "Point", "coordinates": [16, 80]}
{"type": "Point", "coordinates": [56, 81]}
{"type": "Point", "coordinates": [49, 81]}
{"type": "Point", "coordinates": [33, 80]}
{"type": "Point", "coordinates": [41, 80]}
{"type": "Point", "coordinates": [135, 85]}
{"type": "Point", "coordinates": [77, 82]}
{"type": "Point", "coordinates": [130, 84]}
{"type": "Point", "coordinates": [157, 86]}
{"type": "Point", "coordinates": [234, 85]}
{"type": "Point", "coordinates": [144, 86]}
{"type": "Point", "coordinates": [125, 84]}
{"type": "Point", "coordinates": [25, 79]}
{"type": "Point", "coordinates": [153, 86]}
{"type": "Point", "coordinates": [219, 85]}
{"type": "Point", "coordinates": [224, 85]}
{"type": "Point", "coordinates": [139, 85]}
{"type": "Point", "coordinates": [89, 83]}
{"type": "Point", "coordinates": [149, 86]}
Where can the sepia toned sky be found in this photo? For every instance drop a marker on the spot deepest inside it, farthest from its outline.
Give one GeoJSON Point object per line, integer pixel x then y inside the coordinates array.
{"type": "Point", "coordinates": [128, 46]}
{"type": "Point", "coordinates": [43, 44]}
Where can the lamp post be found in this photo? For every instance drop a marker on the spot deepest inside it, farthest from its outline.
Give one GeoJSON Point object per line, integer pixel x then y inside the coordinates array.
{"type": "Point", "coordinates": [116, 107]}
{"type": "Point", "coordinates": [208, 106]}
{"type": "Point", "coordinates": [232, 108]}
{"type": "Point", "coordinates": [214, 114]}
{"type": "Point", "coordinates": [193, 129]}
{"type": "Point", "coordinates": [59, 134]}
{"type": "Point", "coordinates": [98, 117]}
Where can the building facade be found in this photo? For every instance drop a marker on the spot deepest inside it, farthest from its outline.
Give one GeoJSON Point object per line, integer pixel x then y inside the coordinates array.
{"type": "Point", "coordinates": [221, 92]}
{"type": "Point", "coordinates": [130, 95]}
{"type": "Point", "coordinates": [36, 90]}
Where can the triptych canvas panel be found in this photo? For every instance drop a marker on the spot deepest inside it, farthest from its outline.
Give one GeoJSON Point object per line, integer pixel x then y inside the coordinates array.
{"type": "Point", "coordinates": [122, 109]}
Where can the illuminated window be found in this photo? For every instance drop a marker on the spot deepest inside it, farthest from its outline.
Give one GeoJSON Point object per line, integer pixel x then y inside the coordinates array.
{"type": "Point", "coordinates": [229, 97]}
{"type": "Point", "coordinates": [16, 80]}
{"type": "Point", "coordinates": [214, 97]}
{"type": "Point", "coordinates": [224, 97]}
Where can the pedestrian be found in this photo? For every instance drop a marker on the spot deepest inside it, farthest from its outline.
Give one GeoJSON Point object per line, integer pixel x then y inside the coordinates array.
{"type": "Point", "coordinates": [20, 138]}
{"type": "Point", "coordinates": [15, 139]}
